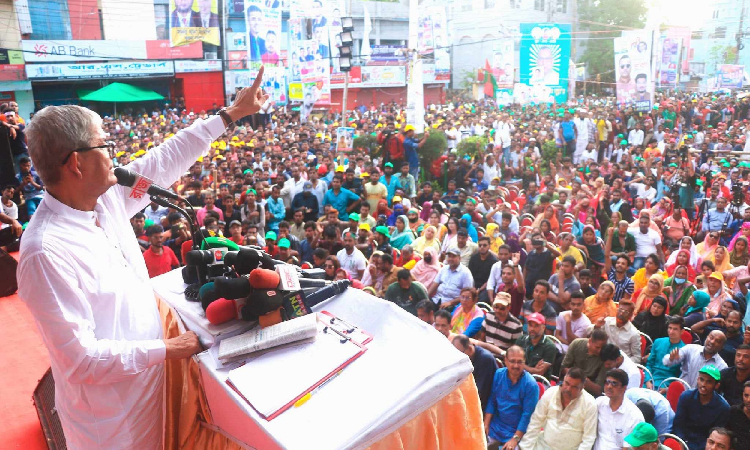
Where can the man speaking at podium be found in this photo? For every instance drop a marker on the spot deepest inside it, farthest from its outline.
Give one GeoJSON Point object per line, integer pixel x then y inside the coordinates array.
{"type": "Point", "coordinates": [84, 279]}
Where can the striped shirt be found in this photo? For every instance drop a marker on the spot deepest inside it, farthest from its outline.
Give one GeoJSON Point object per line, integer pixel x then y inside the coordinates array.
{"type": "Point", "coordinates": [621, 287]}
{"type": "Point", "coordinates": [502, 334]}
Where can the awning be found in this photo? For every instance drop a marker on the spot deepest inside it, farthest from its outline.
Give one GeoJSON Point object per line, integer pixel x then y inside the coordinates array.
{"type": "Point", "coordinates": [121, 92]}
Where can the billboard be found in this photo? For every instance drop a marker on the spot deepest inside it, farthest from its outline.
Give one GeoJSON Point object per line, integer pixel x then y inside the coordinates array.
{"type": "Point", "coordinates": [634, 85]}
{"type": "Point", "coordinates": [729, 76]}
{"type": "Point", "coordinates": [263, 39]}
{"type": "Point", "coordinates": [192, 21]}
{"type": "Point", "coordinates": [503, 56]}
{"type": "Point", "coordinates": [545, 57]}
{"type": "Point", "coordinates": [99, 70]}
{"type": "Point", "coordinates": [669, 62]}
{"type": "Point", "coordinates": [311, 50]}
{"type": "Point", "coordinates": [432, 37]}
{"type": "Point", "coordinates": [274, 83]}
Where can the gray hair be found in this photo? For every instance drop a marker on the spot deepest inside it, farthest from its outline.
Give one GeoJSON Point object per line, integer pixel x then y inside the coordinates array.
{"type": "Point", "coordinates": [56, 131]}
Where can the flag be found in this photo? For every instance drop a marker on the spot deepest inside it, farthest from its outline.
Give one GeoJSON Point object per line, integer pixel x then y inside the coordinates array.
{"type": "Point", "coordinates": [366, 51]}
{"type": "Point", "coordinates": [490, 84]}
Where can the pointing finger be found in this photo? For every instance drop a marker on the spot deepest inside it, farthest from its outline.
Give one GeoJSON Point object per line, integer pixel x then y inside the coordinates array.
{"type": "Point", "coordinates": [258, 78]}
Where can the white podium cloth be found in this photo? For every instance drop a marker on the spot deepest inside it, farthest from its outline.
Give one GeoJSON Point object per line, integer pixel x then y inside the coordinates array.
{"type": "Point", "coordinates": [408, 367]}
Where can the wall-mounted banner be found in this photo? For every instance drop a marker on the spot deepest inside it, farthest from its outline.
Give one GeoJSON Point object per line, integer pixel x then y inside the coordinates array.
{"type": "Point", "coordinates": [545, 57]}
{"type": "Point", "coordinates": [263, 39]}
{"type": "Point", "coordinates": [193, 20]}
{"type": "Point", "coordinates": [11, 57]}
{"type": "Point", "coordinates": [669, 63]}
{"type": "Point", "coordinates": [730, 76]}
{"type": "Point", "coordinates": [209, 65]}
{"type": "Point", "coordinates": [633, 69]}
{"type": "Point", "coordinates": [503, 58]}
{"type": "Point", "coordinates": [99, 70]}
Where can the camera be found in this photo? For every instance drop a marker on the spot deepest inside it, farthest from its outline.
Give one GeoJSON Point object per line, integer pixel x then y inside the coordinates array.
{"type": "Point", "coordinates": [738, 194]}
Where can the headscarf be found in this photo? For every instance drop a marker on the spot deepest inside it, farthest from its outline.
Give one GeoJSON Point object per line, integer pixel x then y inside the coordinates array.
{"type": "Point", "coordinates": [702, 299]}
{"type": "Point", "coordinates": [671, 268]}
{"type": "Point", "coordinates": [695, 259]}
{"type": "Point", "coordinates": [495, 242]}
{"type": "Point", "coordinates": [470, 228]}
{"type": "Point", "coordinates": [725, 264]}
{"type": "Point", "coordinates": [745, 227]}
{"type": "Point", "coordinates": [398, 210]}
{"type": "Point", "coordinates": [401, 238]}
{"type": "Point", "coordinates": [680, 292]}
{"type": "Point", "coordinates": [382, 208]}
{"type": "Point", "coordinates": [654, 327]}
{"type": "Point", "coordinates": [554, 224]}
{"type": "Point", "coordinates": [704, 251]}
{"type": "Point", "coordinates": [426, 211]}
{"type": "Point", "coordinates": [739, 259]}
{"type": "Point", "coordinates": [643, 302]}
{"type": "Point", "coordinates": [421, 243]}
{"type": "Point", "coordinates": [424, 272]}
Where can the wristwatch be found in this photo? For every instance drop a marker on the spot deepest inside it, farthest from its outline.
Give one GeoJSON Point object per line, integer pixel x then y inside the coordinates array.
{"type": "Point", "coordinates": [228, 123]}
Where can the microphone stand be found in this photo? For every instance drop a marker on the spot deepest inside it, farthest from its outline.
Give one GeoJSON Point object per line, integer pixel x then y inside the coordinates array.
{"type": "Point", "coordinates": [161, 201]}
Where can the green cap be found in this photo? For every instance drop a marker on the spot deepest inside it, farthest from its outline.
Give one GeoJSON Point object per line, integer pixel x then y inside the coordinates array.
{"type": "Point", "coordinates": [217, 242]}
{"type": "Point", "coordinates": [354, 217]}
{"type": "Point", "coordinates": [624, 142]}
{"type": "Point", "coordinates": [572, 111]}
{"type": "Point", "coordinates": [711, 371]}
{"type": "Point", "coordinates": [727, 165]}
{"type": "Point", "coordinates": [250, 171]}
{"type": "Point", "coordinates": [673, 165]}
{"type": "Point", "coordinates": [689, 136]}
{"type": "Point", "coordinates": [251, 190]}
{"type": "Point", "coordinates": [284, 243]}
{"type": "Point", "coordinates": [271, 235]}
{"type": "Point", "coordinates": [382, 229]}
{"type": "Point", "coordinates": [561, 115]}
{"type": "Point", "coordinates": [642, 434]}
{"type": "Point", "coordinates": [388, 164]}
{"type": "Point", "coordinates": [147, 223]}
{"type": "Point", "coordinates": [620, 135]}
{"type": "Point", "coordinates": [699, 182]}
{"type": "Point", "coordinates": [656, 106]}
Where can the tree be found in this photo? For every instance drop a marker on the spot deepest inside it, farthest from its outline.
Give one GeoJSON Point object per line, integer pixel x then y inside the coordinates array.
{"type": "Point", "coordinates": [604, 19]}
{"type": "Point", "coordinates": [723, 54]}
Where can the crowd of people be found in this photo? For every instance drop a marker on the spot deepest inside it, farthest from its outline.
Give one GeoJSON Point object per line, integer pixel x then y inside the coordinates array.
{"type": "Point", "coordinates": [582, 282]}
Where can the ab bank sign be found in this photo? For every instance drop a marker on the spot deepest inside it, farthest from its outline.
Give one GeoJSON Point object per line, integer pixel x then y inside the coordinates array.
{"type": "Point", "coordinates": [69, 51]}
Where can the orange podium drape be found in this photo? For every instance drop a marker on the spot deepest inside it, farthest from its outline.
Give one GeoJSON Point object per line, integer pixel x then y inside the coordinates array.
{"type": "Point", "coordinates": [453, 422]}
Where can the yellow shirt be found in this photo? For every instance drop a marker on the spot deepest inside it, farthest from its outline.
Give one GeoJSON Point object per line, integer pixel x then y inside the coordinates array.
{"type": "Point", "coordinates": [572, 251]}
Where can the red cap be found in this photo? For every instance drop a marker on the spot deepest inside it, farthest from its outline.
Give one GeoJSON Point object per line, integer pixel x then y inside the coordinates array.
{"type": "Point", "coordinates": [536, 317]}
{"type": "Point", "coordinates": [322, 170]}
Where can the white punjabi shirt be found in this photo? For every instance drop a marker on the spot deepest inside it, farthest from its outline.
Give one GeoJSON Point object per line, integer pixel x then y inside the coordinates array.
{"type": "Point", "coordinates": [615, 425]}
{"type": "Point", "coordinates": [89, 291]}
{"type": "Point", "coordinates": [552, 427]}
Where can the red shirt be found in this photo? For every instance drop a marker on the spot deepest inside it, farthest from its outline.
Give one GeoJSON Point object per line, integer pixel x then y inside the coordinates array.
{"type": "Point", "coordinates": [160, 264]}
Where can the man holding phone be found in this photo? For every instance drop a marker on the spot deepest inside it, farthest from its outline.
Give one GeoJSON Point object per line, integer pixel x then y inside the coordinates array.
{"type": "Point", "coordinates": [539, 262]}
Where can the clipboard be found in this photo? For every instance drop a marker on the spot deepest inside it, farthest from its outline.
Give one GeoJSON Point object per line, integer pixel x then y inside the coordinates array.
{"type": "Point", "coordinates": [273, 382]}
{"type": "Point", "coordinates": [354, 332]}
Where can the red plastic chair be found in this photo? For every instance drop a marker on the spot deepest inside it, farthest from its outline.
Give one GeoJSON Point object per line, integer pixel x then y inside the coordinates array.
{"type": "Point", "coordinates": [542, 389]}
{"type": "Point", "coordinates": [646, 343]}
{"type": "Point", "coordinates": [689, 337]}
{"type": "Point", "coordinates": [673, 442]}
{"type": "Point", "coordinates": [676, 387]}
{"type": "Point", "coordinates": [527, 220]}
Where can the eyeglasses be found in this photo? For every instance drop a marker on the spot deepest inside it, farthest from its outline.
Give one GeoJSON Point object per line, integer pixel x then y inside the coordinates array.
{"type": "Point", "coordinates": [612, 383]}
{"type": "Point", "coordinates": [109, 145]}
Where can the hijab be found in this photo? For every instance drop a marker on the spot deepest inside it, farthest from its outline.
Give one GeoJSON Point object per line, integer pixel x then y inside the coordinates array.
{"type": "Point", "coordinates": [495, 242]}
{"type": "Point", "coordinates": [426, 272]}
{"type": "Point", "coordinates": [398, 211]}
{"type": "Point", "coordinates": [671, 268]}
{"type": "Point", "coordinates": [643, 302]}
{"type": "Point", "coordinates": [739, 259]}
{"type": "Point", "coordinates": [470, 228]}
{"type": "Point", "coordinates": [426, 211]}
{"type": "Point", "coordinates": [725, 264]}
{"type": "Point", "coordinates": [695, 259]}
{"type": "Point", "coordinates": [745, 226]}
{"type": "Point", "coordinates": [421, 243]}
{"type": "Point", "coordinates": [653, 326]}
{"type": "Point", "coordinates": [401, 238]}
{"type": "Point", "coordinates": [382, 208]}
{"type": "Point", "coordinates": [702, 299]}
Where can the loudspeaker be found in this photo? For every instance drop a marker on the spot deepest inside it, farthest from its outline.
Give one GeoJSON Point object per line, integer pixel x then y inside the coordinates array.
{"type": "Point", "coordinates": [44, 401]}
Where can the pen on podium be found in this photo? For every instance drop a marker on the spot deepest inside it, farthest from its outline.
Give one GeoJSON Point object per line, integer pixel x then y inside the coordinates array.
{"type": "Point", "coordinates": [307, 396]}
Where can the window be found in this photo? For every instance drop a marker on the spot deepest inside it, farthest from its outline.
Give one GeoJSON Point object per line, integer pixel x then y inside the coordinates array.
{"type": "Point", "coordinates": [539, 5]}
{"type": "Point", "coordinates": [720, 32]}
{"type": "Point", "coordinates": [489, 4]}
{"type": "Point", "coordinates": [50, 19]}
{"type": "Point", "coordinates": [562, 6]}
{"type": "Point", "coordinates": [696, 35]}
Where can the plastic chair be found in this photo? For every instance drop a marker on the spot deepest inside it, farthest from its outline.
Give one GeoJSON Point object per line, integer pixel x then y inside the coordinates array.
{"type": "Point", "coordinates": [527, 220]}
{"type": "Point", "coordinates": [676, 387]}
{"type": "Point", "coordinates": [542, 379]}
{"type": "Point", "coordinates": [689, 336]}
{"type": "Point", "coordinates": [485, 307]}
{"type": "Point", "coordinates": [645, 374]}
{"type": "Point", "coordinates": [646, 343]}
{"type": "Point", "coordinates": [557, 342]}
{"type": "Point", "coordinates": [673, 442]}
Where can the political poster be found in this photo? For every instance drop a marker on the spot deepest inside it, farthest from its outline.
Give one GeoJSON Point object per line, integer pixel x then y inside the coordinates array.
{"type": "Point", "coordinates": [545, 58]}
{"type": "Point", "coordinates": [263, 41]}
{"type": "Point", "coordinates": [344, 139]}
{"type": "Point", "coordinates": [503, 56]}
{"type": "Point", "coordinates": [525, 94]}
{"type": "Point", "coordinates": [193, 20]}
{"type": "Point", "coordinates": [504, 97]}
{"type": "Point", "coordinates": [729, 76]}
{"type": "Point", "coordinates": [634, 85]}
{"type": "Point", "coordinates": [669, 62]}
{"type": "Point", "coordinates": [310, 50]}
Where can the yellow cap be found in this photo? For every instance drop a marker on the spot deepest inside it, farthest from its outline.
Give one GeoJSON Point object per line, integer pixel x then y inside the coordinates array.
{"type": "Point", "coordinates": [408, 128]}
{"type": "Point", "coordinates": [339, 168]}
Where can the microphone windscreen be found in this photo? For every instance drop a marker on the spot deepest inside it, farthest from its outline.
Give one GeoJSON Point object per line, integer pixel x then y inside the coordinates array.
{"type": "Point", "coordinates": [261, 302]}
{"type": "Point", "coordinates": [232, 287]}
{"type": "Point", "coordinates": [221, 311]}
{"type": "Point", "coordinates": [244, 260]}
{"type": "Point", "coordinates": [124, 177]}
{"type": "Point", "coordinates": [264, 279]}
{"type": "Point", "coordinates": [189, 274]}
{"type": "Point", "coordinates": [207, 294]}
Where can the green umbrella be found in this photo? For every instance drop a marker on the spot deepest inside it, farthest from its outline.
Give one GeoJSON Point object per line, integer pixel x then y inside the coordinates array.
{"type": "Point", "coordinates": [121, 92]}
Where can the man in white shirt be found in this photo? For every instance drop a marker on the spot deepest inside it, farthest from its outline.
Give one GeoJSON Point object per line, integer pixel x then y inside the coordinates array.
{"type": "Point", "coordinates": [83, 277]}
{"type": "Point", "coordinates": [647, 242]}
{"type": "Point", "coordinates": [572, 324]}
{"type": "Point", "coordinates": [635, 137]}
{"type": "Point", "coordinates": [503, 129]}
{"type": "Point", "coordinates": [621, 332]}
{"type": "Point", "coordinates": [564, 418]}
{"type": "Point", "coordinates": [585, 127]}
{"type": "Point", "coordinates": [491, 169]}
{"type": "Point", "coordinates": [617, 415]}
{"type": "Point", "coordinates": [613, 358]}
{"type": "Point", "coordinates": [351, 259]}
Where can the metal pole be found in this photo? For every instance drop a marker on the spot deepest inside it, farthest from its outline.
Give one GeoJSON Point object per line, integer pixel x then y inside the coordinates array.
{"type": "Point", "coordinates": [740, 46]}
{"type": "Point", "coordinates": [346, 75]}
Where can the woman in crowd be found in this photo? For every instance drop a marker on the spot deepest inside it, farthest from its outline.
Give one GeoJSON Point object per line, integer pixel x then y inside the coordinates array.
{"type": "Point", "coordinates": [428, 239]}
{"type": "Point", "coordinates": [706, 248]}
{"type": "Point", "coordinates": [744, 232]}
{"type": "Point", "coordinates": [428, 267]}
{"type": "Point", "coordinates": [372, 268]}
{"type": "Point", "coordinates": [687, 244]}
{"type": "Point", "coordinates": [402, 234]}
{"type": "Point", "coordinates": [682, 259]}
{"type": "Point", "coordinates": [467, 318]}
{"type": "Point", "coordinates": [450, 237]}
{"type": "Point", "coordinates": [642, 275]}
{"type": "Point", "coordinates": [678, 289]}
{"type": "Point", "coordinates": [398, 210]}
{"type": "Point", "coordinates": [643, 297]}
{"type": "Point", "coordinates": [653, 321]}
{"type": "Point", "coordinates": [696, 308]}
{"type": "Point", "coordinates": [415, 222]}
{"type": "Point", "coordinates": [717, 291]}
{"type": "Point", "coordinates": [739, 255]}
{"type": "Point", "coordinates": [592, 246]}
{"type": "Point", "coordinates": [601, 305]}
{"type": "Point", "coordinates": [549, 214]}
{"type": "Point", "coordinates": [466, 222]}
{"type": "Point", "coordinates": [496, 240]}
{"type": "Point", "coordinates": [720, 258]}
{"type": "Point", "coordinates": [331, 266]}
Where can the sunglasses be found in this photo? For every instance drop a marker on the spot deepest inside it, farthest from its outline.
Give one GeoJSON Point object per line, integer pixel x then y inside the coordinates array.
{"type": "Point", "coordinates": [330, 266]}
{"type": "Point", "coordinates": [109, 145]}
{"type": "Point", "coordinates": [612, 383]}
{"type": "Point", "coordinates": [625, 66]}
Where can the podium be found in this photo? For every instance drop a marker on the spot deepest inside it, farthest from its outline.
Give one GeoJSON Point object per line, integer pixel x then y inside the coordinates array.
{"type": "Point", "coordinates": [401, 381]}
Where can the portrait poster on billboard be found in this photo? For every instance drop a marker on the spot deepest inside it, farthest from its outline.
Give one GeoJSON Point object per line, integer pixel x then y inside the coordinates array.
{"type": "Point", "coordinates": [545, 57]}
{"type": "Point", "coordinates": [502, 62]}
{"type": "Point", "coordinates": [263, 25]}
{"type": "Point", "coordinates": [634, 86]}
{"type": "Point", "coordinates": [193, 20]}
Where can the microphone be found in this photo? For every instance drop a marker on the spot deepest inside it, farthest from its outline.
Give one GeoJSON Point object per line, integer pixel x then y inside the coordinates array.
{"type": "Point", "coordinates": [233, 288]}
{"type": "Point", "coordinates": [246, 259]}
{"type": "Point", "coordinates": [140, 185]}
{"type": "Point", "coordinates": [258, 304]}
{"type": "Point", "coordinates": [264, 279]}
{"type": "Point", "coordinates": [207, 294]}
{"type": "Point", "coordinates": [325, 293]}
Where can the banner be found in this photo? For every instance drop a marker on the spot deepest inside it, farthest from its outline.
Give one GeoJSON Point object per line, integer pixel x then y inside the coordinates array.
{"type": "Point", "coordinates": [504, 97]}
{"type": "Point", "coordinates": [503, 56]}
{"type": "Point", "coordinates": [344, 139]}
{"type": "Point", "coordinates": [525, 94]}
{"type": "Point", "coordinates": [263, 40]}
{"type": "Point", "coordinates": [99, 70]}
{"type": "Point", "coordinates": [387, 54]}
{"type": "Point", "coordinates": [12, 72]}
{"type": "Point", "coordinates": [545, 59]}
{"type": "Point", "coordinates": [274, 83]}
{"type": "Point", "coordinates": [310, 50]}
{"type": "Point", "coordinates": [633, 69]}
{"type": "Point", "coordinates": [11, 57]}
{"type": "Point", "coordinates": [669, 63]}
{"type": "Point", "coordinates": [208, 65]}
{"type": "Point", "coordinates": [192, 21]}
{"type": "Point", "coordinates": [729, 76]}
